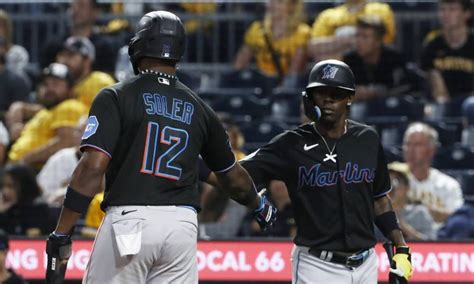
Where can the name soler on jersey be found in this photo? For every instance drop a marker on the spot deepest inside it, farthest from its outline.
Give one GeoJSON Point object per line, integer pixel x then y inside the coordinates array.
{"type": "Point", "coordinates": [175, 110]}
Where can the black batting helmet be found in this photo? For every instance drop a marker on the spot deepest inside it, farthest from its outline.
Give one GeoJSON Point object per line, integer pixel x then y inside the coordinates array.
{"type": "Point", "coordinates": [327, 73]}
{"type": "Point", "coordinates": [159, 34]}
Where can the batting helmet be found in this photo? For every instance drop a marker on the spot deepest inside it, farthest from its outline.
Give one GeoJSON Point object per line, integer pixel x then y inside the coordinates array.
{"type": "Point", "coordinates": [327, 73]}
{"type": "Point", "coordinates": [159, 34]}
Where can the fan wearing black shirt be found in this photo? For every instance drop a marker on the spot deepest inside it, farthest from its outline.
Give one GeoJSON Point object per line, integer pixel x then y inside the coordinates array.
{"type": "Point", "coordinates": [380, 69]}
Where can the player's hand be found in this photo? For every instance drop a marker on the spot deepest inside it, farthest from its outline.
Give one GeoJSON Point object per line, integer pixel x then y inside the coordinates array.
{"type": "Point", "coordinates": [265, 214]}
{"type": "Point", "coordinates": [59, 246]}
{"type": "Point", "coordinates": [402, 259]}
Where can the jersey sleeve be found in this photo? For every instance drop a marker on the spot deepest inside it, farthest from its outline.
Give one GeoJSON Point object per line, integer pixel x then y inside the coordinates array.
{"type": "Point", "coordinates": [103, 125]}
{"type": "Point", "coordinates": [216, 152]}
{"type": "Point", "coordinates": [267, 163]}
{"type": "Point", "coordinates": [382, 184]}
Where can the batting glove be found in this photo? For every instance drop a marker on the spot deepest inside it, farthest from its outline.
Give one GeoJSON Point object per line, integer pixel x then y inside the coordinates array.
{"type": "Point", "coordinates": [402, 259]}
{"type": "Point", "coordinates": [59, 246]}
{"type": "Point", "coordinates": [265, 214]}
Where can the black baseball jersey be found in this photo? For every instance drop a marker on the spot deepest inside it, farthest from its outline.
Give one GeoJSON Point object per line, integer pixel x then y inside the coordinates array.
{"type": "Point", "coordinates": [154, 128]}
{"type": "Point", "coordinates": [332, 193]}
{"type": "Point", "coordinates": [456, 65]}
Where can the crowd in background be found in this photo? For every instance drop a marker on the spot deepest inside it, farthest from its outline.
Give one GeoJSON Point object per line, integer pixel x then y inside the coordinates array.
{"type": "Point", "coordinates": [44, 105]}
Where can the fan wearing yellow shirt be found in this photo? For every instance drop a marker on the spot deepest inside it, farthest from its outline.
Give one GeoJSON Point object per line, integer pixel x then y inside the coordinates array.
{"type": "Point", "coordinates": [78, 54]}
{"type": "Point", "coordinates": [54, 127]}
{"type": "Point", "coordinates": [333, 31]}
{"type": "Point", "coordinates": [281, 32]}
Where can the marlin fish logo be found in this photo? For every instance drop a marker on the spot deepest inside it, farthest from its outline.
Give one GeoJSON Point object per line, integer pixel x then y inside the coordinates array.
{"type": "Point", "coordinates": [329, 72]}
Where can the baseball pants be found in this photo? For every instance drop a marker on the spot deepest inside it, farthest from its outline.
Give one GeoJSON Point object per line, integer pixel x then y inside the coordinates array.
{"type": "Point", "coordinates": [307, 268]}
{"type": "Point", "coordinates": [145, 244]}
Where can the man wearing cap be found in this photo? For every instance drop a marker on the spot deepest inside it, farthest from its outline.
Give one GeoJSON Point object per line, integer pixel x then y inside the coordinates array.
{"type": "Point", "coordinates": [7, 276]}
{"type": "Point", "coordinates": [54, 126]}
{"type": "Point", "coordinates": [78, 54]}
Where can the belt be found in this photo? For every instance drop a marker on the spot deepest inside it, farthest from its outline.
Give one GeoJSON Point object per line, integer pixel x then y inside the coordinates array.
{"type": "Point", "coordinates": [352, 261]}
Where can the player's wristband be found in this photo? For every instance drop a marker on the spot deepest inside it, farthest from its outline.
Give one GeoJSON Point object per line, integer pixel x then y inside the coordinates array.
{"type": "Point", "coordinates": [387, 222]}
{"type": "Point", "coordinates": [76, 201]}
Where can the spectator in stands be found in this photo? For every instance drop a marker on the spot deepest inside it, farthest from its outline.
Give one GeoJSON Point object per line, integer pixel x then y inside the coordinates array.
{"type": "Point", "coordinates": [16, 57]}
{"type": "Point", "coordinates": [380, 69]}
{"type": "Point", "coordinates": [333, 31]}
{"type": "Point", "coordinates": [84, 15]}
{"type": "Point", "coordinates": [13, 86]}
{"type": "Point", "coordinates": [278, 42]}
{"type": "Point", "coordinates": [78, 54]}
{"type": "Point", "coordinates": [54, 126]}
{"type": "Point", "coordinates": [22, 211]}
{"type": "Point", "coordinates": [415, 219]}
{"type": "Point", "coordinates": [460, 225]}
{"type": "Point", "coordinates": [467, 137]}
{"type": "Point", "coordinates": [448, 54]}
{"type": "Point", "coordinates": [55, 175]}
{"type": "Point", "coordinates": [7, 275]}
{"type": "Point", "coordinates": [439, 192]}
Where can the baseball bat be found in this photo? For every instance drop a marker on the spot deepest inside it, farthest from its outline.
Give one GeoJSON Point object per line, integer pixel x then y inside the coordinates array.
{"type": "Point", "coordinates": [392, 278]}
{"type": "Point", "coordinates": [55, 270]}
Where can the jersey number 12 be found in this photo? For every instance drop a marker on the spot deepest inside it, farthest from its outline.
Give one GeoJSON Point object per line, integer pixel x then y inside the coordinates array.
{"type": "Point", "coordinates": [161, 150]}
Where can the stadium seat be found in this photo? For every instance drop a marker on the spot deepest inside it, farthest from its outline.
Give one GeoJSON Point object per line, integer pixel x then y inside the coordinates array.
{"type": "Point", "coordinates": [393, 154]}
{"type": "Point", "coordinates": [243, 105]}
{"type": "Point", "coordinates": [286, 103]}
{"type": "Point", "coordinates": [246, 78]}
{"type": "Point", "coordinates": [467, 182]}
{"type": "Point", "coordinates": [261, 131]}
{"type": "Point", "coordinates": [467, 137]}
{"type": "Point", "coordinates": [190, 79]}
{"type": "Point", "coordinates": [449, 133]}
{"type": "Point", "coordinates": [454, 157]}
{"type": "Point", "coordinates": [389, 107]}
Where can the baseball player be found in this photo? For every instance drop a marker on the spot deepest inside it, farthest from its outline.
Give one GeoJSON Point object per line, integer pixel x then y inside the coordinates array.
{"type": "Point", "coordinates": [338, 181]}
{"type": "Point", "coordinates": [146, 134]}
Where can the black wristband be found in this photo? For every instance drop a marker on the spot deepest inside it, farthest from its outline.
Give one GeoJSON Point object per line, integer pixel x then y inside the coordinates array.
{"type": "Point", "coordinates": [387, 222]}
{"type": "Point", "coordinates": [76, 201]}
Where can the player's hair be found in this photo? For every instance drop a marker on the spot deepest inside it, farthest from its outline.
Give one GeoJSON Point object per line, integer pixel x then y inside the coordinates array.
{"type": "Point", "coordinates": [466, 4]}
{"type": "Point", "coordinates": [424, 128]}
{"type": "Point", "coordinates": [373, 22]}
{"type": "Point", "coordinates": [7, 22]}
{"type": "Point", "coordinates": [295, 19]}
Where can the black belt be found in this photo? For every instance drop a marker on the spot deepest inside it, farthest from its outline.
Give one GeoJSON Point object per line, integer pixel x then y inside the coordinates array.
{"type": "Point", "coordinates": [352, 261]}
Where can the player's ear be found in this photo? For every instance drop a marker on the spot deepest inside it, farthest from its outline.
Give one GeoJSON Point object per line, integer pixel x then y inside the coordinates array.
{"type": "Point", "coordinates": [349, 100]}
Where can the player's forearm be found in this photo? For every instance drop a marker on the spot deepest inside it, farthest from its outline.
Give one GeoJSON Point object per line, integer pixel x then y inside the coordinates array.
{"type": "Point", "coordinates": [387, 222]}
{"type": "Point", "coordinates": [238, 184]}
{"type": "Point", "coordinates": [86, 181]}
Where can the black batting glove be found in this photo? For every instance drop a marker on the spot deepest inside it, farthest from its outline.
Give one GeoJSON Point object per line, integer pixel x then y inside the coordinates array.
{"type": "Point", "coordinates": [59, 246]}
{"type": "Point", "coordinates": [265, 214]}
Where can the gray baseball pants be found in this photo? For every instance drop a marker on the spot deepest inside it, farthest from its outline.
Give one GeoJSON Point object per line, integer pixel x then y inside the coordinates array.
{"type": "Point", "coordinates": [145, 244]}
{"type": "Point", "coordinates": [307, 268]}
